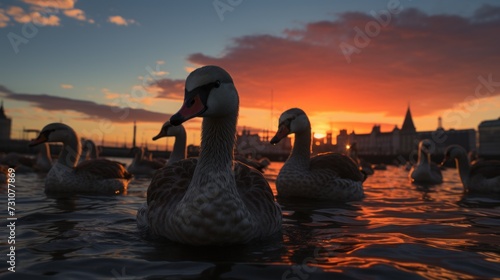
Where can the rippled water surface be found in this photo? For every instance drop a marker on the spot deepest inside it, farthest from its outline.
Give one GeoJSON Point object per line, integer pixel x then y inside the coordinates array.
{"type": "Point", "coordinates": [399, 231]}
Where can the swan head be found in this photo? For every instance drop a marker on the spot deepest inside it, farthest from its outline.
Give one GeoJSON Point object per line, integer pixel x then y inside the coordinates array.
{"type": "Point", "coordinates": [168, 130]}
{"type": "Point", "coordinates": [88, 145]}
{"type": "Point", "coordinates": [426, 146]}
{"type": "Point", "coordinates": [209, 92]}
{"type": "Point", "coordinates": [454, 152]}
{"type": "Point", "coordinates": [291, 121]}
{"type": "Point", "coordinates": [54, 132]}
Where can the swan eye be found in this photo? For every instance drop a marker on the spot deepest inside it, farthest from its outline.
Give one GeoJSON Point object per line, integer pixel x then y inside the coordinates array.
{"type": "Point", "coordinates": [217, 84]}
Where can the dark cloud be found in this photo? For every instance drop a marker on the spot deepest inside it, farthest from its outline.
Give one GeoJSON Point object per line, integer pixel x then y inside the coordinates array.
{"type": "Point", "coordinates": [433, 61]}
{"type": "Point", "coordinates": [92, 110]}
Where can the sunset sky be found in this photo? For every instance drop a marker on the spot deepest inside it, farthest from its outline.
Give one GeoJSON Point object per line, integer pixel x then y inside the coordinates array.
{"type": "Point", "coordinates": [99, 65]}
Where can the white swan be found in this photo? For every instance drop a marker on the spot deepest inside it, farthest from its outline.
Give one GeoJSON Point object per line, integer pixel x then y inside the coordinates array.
{"type": "Point", "coordinates": [480, 177]}
{"type": "Point", "coordinates": [141, 166]}
{"type": "Point", "coordinates": [98, 176]}
{"type": "Point", "coordinates": [210, 200]}
{"type": "Point", "coordinates": [89, 150]}
{"type": "Point", "coordinates": [179, 150]}
{"type": "Point", "coordinates": [425, 171]}
{"type": "Point", "coordinates": [328, 176]}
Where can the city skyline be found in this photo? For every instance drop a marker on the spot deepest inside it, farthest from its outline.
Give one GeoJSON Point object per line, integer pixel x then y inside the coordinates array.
{"type": "Point", "coordinates": [100, 67]}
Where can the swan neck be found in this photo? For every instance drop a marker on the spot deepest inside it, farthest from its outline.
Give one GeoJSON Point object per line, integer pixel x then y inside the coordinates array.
{"type": "Point", "coordinates": [45, 151]}
{"type": "Point", "coordinates": [93, 154]}
{"type": "Point", "coordinates": [218, 138]}
{"type": "Point", "coordinates": [463, 168]}
{"type": "Point", "coordinates": [423, 157]}
{"type": "Point", "coordinates": [179, 150]}
{"type": "Point", "coordinates": [301, 152]}
{"type": "Point", "coordinates": [71, 150]}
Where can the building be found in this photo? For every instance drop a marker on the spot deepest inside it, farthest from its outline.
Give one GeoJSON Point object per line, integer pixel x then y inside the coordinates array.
{"type": "Point", "coordinates": [5, 125]}
{"type": "Point", "coordinates": [404, 142]}
{"type": "Point", "coordinates": [254, 146]}
{"type": "Point", "coordinates": [489, 138]}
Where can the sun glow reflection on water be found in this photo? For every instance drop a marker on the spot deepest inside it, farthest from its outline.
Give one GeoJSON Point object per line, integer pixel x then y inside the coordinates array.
{"type": "Point", "coordinates": [399, 230]}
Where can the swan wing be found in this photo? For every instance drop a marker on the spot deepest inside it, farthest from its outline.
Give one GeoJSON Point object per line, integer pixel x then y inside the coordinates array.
{"type": "Point", "coordinates": [169, 184]}
{"type": "Point", "coordinates": [341, 164]}
{"type": "Point", "coordinates": [258, 197]}
{"type": "Point", "coordinates": [104, 169]}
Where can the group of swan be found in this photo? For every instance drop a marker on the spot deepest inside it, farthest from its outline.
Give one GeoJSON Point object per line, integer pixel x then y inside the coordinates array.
{"type": "Point", "coordinates": [477, 176]}
{"type": "Point", "coordinates": [214, 199]}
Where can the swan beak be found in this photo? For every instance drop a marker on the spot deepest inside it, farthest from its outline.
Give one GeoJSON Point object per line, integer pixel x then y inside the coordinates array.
{"type": "Point", "coordinates": [160, 135]}
{"type": "Point", "coordinates": [191, 108]}
{"type": "Point", "coordinates": [42, 138]}
{"type": "Point", "coordinates": [283, 131]}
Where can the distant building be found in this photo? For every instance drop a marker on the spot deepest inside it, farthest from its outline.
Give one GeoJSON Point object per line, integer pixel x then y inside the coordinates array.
{"type": "Point", "coordinates": [404, 141]}
{"type": "Point", "coordinates": [408, 134]}
{"type": "Point", "coordinates": [489, 138]}
{"type": "Point", "coordinates": [5, 125]}
{"type": "Point", "coordinates": [254, 146]}
{"type": "Point", "coordinates": [323, 145]}
{"type": "Point", "coordinates": [443, 138]}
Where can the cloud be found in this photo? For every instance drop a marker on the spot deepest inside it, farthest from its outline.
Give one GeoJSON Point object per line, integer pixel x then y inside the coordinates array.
{"type": "Point", "coordinates": [119, 20]}
{"type": "Point", "coordinates": [66, 86]}
{"type": "Point", "coordinates": [433, 61]}
{"type": "Point", "coordinates": [169, 88]}
{"type": "Point", "coordinates": [76, 14]}
{"type": "Point", "coordinates": [19, 15]}
{"type": "Point", "coordinates": [57, 4]}
{"type": "Point", "coordinates": [4, 19]}
{"type": "Point", "coordinates": [92, 110]}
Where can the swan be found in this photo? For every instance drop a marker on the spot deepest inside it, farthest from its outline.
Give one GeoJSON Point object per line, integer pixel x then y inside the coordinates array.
{"type": "Point", "coordinates": [179, 150]}
{"type": "Point", "coordinates": [328, 176]}
{"type": "Point", "coordinates": [425, 171]}
{"type": "Point", "coordinates": [141, 166]}
{"type": "Point", "coordinates": [98, 176]}
{"type": "Point", "coordinates": [89, 150]}
{"type": "Point", "coordinates": [480, 177]}
{"type": "Point", "coordinates": [210, 200]}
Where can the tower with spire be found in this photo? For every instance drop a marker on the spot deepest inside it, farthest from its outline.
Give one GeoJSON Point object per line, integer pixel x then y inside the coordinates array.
{"type": "Point", "coordinates": [408, 125]}
{"type": "Point", "coordinates": [5, 124]}
{"type": "Point", "coordinates": [408, 134]}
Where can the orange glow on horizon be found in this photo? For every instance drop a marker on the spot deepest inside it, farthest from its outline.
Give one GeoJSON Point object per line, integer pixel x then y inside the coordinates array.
{"type": "Point", "coordinates": [319, 135]}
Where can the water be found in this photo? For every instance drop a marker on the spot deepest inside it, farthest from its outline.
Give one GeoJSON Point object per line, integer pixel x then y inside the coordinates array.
{"type": "Point", "coordinates": [399, 231]}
